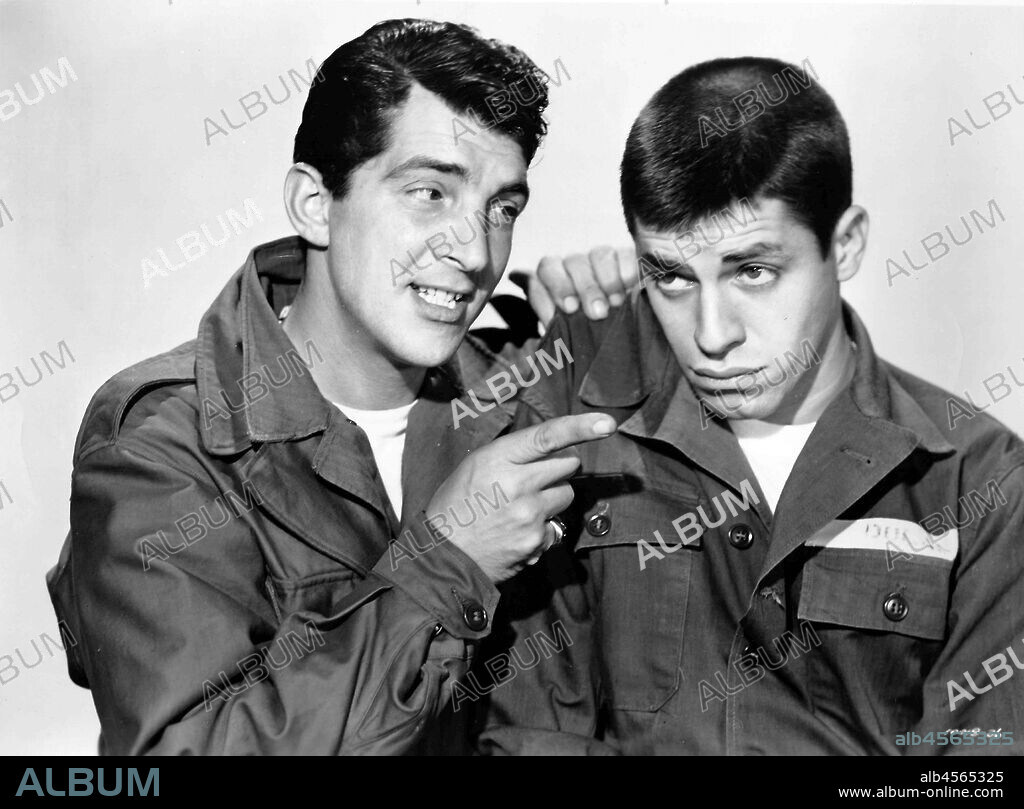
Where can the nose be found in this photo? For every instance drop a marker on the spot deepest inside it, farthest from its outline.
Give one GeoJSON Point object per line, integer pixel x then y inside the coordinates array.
{"type": "Point", "coordinates": [467, 237]}
{"type": "Point", "coordinates": [718, 329]}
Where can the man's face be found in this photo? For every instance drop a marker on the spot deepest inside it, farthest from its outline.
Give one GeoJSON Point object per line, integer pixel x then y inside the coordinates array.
{"type": "Point", "coordinates": [739, 313]}
{"type": "Point", "coordinates": [422, 236]}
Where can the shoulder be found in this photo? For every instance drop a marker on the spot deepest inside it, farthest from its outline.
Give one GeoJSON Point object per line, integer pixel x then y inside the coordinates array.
{"type": "Point", "coordinates": [583, 338]}
{"type": "Point", "coordinates": [146, 403]}
{"type": "Point", "coordinates": [987, 447]}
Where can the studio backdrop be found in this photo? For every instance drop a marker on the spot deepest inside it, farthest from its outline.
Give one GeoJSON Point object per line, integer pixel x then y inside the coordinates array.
{"type": "Point", "coordinates": [143, 147]}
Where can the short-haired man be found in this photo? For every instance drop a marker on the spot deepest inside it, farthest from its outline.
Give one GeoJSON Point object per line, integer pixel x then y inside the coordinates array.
{"type": "Point", "coordinates": [787, 547]}
{"type": "Point", "coordinates": [250, 567]}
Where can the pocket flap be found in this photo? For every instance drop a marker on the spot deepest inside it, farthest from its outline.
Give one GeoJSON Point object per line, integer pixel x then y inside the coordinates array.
{"type": "Point", "coordinates": [865, 589]}
{"type": "Point", "coordinates": [614, 511]}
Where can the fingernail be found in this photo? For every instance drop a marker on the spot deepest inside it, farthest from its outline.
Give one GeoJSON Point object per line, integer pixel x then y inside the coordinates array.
{"type": "Point", "coordinates": [604, 427]}
{"type": "Point", "coordinates": [616, 299]}
{"type": "Point", "coordinates": [599, 309]}
{"type": "Point", "coordinates": [571, 304]}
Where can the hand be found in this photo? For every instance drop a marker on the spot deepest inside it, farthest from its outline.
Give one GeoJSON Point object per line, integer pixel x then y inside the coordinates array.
{"type": "Point", "coordinates": [601, 278]}
{"type": "Point", "coordinates": [531, 467]}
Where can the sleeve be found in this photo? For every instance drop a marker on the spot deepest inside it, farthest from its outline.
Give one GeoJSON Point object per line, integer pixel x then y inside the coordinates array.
{"type": "Point", "coordinates": [977, 680]}
{"type": "Point", "coordinates": [185, 653]}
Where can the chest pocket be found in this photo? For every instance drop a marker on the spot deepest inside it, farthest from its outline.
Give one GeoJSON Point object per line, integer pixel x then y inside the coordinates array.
{"type": "Point", "coordinates": [320, 594]}
{"type": "Point", "coordinates": [639, 586]}
{"type": "Point", "coordinates": [879, 574]}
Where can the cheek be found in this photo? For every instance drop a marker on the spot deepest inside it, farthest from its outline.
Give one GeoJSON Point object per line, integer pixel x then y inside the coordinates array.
{"type": "Point", "coordinates": [676, 323]}
{"type": "Point", "coordinates": [500, 247]}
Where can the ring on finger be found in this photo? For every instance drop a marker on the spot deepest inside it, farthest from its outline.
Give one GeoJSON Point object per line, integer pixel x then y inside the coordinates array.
{"type": "Point", "coordinates": [559, 528]}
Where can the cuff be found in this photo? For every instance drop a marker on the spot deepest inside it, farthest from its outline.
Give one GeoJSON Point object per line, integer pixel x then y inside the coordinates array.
{"type": "Point", "coordinates": [442, 579]}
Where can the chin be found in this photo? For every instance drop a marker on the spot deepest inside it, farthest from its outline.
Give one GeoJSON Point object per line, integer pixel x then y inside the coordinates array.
{"type": "Point", "coordinates": [424, 355]}
{"type": "Point", "coordinates": [738, 408]}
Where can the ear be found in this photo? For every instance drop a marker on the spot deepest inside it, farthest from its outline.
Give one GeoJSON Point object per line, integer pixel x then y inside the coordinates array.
{"type": "Point", "coordinates": [308, 204]}
{"type": "Point", "coordinates": [849, 241]}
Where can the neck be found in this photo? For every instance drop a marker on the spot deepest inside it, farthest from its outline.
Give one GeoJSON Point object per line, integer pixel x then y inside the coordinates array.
{"type": "Point", "coordinates": [820, 385]}
{"type": "Point", "coordinates": [358, 372]}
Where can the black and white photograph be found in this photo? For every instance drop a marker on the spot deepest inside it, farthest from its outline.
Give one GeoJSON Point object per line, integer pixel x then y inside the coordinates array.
{"type": "Point", "coordinates": [511, 379]}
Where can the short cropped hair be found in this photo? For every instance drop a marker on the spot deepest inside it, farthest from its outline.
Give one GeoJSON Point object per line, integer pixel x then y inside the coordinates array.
{"type": "Point", "coordinates": [347, 116]}
{"type": "Point", "coordinates": [730, 129]}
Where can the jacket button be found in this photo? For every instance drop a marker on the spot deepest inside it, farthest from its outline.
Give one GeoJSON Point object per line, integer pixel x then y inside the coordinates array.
{"type": "Point", "coordinates": [740, 536]}
{"type": "Point", "coordinates": [599, 525]}
{"type": "Point", "coordinates": [475, 616]}
{"type": "Point", "coordinates": [895, 607]}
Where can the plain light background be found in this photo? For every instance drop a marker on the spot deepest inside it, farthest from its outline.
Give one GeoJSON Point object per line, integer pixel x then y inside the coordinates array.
{"type": "Point", "coordinates": [102, 173]}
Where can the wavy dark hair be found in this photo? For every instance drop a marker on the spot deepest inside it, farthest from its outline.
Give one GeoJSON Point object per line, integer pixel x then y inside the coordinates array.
{"type": "Point", "coordinates": [346, 119]}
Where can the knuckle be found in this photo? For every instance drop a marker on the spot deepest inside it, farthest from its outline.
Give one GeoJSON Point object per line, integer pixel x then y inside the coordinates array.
{"type": "Point", "coordinates": [550, 267]}
{"type": "Point", "coordinates": [541, 440]}
{"type": "Point", "coordinates": [521, 513]}
{"type": "Point", "coordinates": [578, 266]}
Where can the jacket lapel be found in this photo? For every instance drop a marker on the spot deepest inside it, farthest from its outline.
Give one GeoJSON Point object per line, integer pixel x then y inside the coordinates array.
{"type": "Point", "coordinates": [864, 434]}
{"type": "Point", "coordinates": [846, 456]}
{"type": "Point", "coordinates": [433, 444]}
{"type": "Point", "coordinates": [308, 486]}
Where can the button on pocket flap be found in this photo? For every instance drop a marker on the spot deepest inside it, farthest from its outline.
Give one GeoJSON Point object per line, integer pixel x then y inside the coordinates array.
{"type": "Point", "coordinates": [625, 514]}
{"type": "Point", "coordinates": [868, 590]}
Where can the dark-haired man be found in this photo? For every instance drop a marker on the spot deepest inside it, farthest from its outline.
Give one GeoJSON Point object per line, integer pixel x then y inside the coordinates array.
{"type": "Point", "coordinates": [786, 548]}
{"type": "Point", "coordinates": [279, 542]}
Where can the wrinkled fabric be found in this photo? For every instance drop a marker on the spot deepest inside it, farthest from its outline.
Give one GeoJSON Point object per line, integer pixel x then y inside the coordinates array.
{"type": "Point", "coordinates": [231, 574]}
{"type": "Point", "coordinates": [836, 631]}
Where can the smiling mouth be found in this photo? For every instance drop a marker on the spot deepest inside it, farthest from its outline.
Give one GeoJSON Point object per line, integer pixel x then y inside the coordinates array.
{"type": "Point", "coordinates": [439, 297]}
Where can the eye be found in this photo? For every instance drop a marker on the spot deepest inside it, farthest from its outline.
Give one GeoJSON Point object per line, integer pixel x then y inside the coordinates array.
{"type": "Point", "coordinates": [670, 283]}
{"type": "Point", "coordinates": [426, 193]}
{"type": "Point", "coordinates": [756, 275]}
{"type": "Point", "coordinates": [502, 212]}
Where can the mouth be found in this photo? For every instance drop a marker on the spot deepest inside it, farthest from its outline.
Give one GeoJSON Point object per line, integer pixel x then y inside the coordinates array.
{"type": "Point", "coordinates": [727, 382]}
{"type": "Point", "coordinates": [727, 375]}
{"type": "Point", "coordinates": [439, 297]}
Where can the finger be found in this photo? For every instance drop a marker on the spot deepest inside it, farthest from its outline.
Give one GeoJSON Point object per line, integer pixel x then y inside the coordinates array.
{"type": "Point", "coordinates": [527, 281]}
{"type": "Point", "coordinates": [538, 475]}
{"type": "Point", "coordinates": [538, 442]}
{"type": "Point", "coordinates": [606, 270]}
{"type": "Point", "coordinates": [552, 275]}
{"type": "Point", "coordinates": [552, 535]}
{"type": "Point", "coordinates": [595, 304]}
{"type": "Point", "coordinates": [556, 500]}
{"type": "Point", "coordinates": [567, 453]}
{"type": "Point", "coordinates": [540, 300]}
{"type": "Point", "coordinates": [629, 272]}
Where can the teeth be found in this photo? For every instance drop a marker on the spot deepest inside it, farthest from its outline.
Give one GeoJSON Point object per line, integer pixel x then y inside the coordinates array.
{"type": "Point", "coordinates": [438, 297]}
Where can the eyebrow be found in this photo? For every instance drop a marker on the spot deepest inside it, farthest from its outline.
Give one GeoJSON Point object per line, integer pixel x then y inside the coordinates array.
{"type": "Point", "coordinates": [753, 251]}
{"type": "Point", "coordinates": [663, 263]}
{"type": "Point", "coordinates": [518, 187]}
{"type": "Point", "coordinates": [421, 162]}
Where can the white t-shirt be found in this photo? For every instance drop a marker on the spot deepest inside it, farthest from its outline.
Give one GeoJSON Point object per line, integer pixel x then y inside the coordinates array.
{"type": "Point", "coordinates": [771, 450]}
{"type": "Point", "coordinates": [386, 431]}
